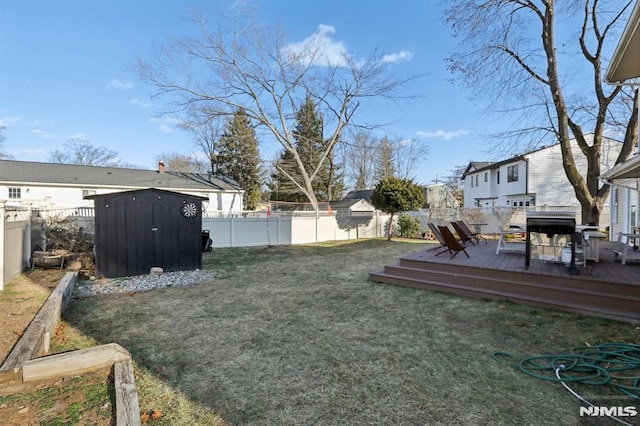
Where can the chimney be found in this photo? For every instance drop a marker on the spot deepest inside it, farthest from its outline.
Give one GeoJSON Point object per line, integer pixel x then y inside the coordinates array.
{"type": "Point", "coordinates": [161, 166]}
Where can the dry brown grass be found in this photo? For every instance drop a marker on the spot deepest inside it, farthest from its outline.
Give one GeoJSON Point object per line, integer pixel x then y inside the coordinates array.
{"type": "Point", "coordinates": [299, 335]}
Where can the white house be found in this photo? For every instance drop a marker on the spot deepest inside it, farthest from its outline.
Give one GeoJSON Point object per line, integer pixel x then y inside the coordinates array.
{"type": "Point", "coordinates": [625, 177]}
{"type": "Point", "coordinates": [534, 178]}
{"type": "Point", "coordinates": [62, 186]}
{"type": "Point", "coordinates": [438, 196]}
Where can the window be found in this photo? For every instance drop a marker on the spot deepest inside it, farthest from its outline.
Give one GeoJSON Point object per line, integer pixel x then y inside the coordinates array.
{"type": "Point", "coordinates": [14, 193]}
{"type": "Point", "coordinates": [498, 177]}
{"type": "Point", "coordinates": [476, 180]}
{"type": "Point", "coordinates": [512, 173]}
{"type": "Point", "coordinates": [486, 176]}
{"type": "Point", "coordinates": [86, 192]}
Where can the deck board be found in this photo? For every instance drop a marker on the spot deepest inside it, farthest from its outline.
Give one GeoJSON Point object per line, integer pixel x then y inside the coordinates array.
{"type": "Point", "coordinates": [607, 288]}
{"type": "Point", "coordinates": [484, 256]}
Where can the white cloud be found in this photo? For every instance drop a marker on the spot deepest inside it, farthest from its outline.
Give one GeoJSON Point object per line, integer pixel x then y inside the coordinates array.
{"type": "Point", "coordinates": [403, 55]}
{"type": "Point", "coordinates": [319, 48]}
{"type": "Point", "coordinates": [167, 124]}
{"type": "Point", "coordinates": [41, 134]}
{"type": "Point", "coordinates": [138, 102]}
{"type": "Point", "coordinates": [5, 121]}
{"type": "Point", "coordinates": [441, 134]}
{"type": "Point", "coordinates": [120, 84]}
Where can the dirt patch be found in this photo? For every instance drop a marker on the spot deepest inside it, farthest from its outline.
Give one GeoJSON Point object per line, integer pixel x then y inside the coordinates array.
{"type": "Point", "coordinates": [87, 400]}
{"type": "Point", "coordinates": [20, 301]}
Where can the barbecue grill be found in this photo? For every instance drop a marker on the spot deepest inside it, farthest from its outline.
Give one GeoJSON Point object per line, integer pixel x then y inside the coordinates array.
{"type": "Point", "coordinates": [552, 223]}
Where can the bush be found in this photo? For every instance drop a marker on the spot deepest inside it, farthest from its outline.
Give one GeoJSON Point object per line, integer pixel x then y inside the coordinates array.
{"type": "Point", "coordinates": [62, 233]}
{"type": "Point", "coordinates": [409, 227]}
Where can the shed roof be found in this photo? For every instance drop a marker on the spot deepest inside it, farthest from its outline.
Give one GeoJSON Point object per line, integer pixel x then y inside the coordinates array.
{"type": "Point", "coordinates": [53, 174]}
{"type": "Point", "coordinates": [360, 194]}
{"type": "Point", "coordinates": [126, 193]}
{"type": "Point", "coordinates": [359, 204]}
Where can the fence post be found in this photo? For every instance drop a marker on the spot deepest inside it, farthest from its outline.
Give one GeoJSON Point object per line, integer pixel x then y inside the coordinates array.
{"type": "Point", "coordinates": [27, 239]}
{"type": "Point", "coordinates": [2, 239]}
{"type": "Point", "coordinates": [231, 225]}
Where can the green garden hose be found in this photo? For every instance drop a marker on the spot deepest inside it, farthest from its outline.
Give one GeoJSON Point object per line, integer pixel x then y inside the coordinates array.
{"type": "Point", "coordinates": [613, 364]}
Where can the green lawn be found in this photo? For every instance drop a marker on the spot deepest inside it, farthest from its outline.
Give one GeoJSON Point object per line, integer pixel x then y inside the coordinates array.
{"type": "Point", "coordinates": [298, 335]}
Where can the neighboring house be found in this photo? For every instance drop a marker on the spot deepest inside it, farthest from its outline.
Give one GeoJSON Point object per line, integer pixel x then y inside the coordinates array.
{"type": "Point", "coordinates": [534, 178]}
{"type": "Point", "coordinates": [438, 196]}
{"type": "Point", "coordinates": [625, 177]}
{"type": "Point", "coordinates": [61, 186]}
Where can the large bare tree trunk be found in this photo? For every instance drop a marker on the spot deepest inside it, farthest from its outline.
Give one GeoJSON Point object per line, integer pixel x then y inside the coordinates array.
{"type": "Point", "coordinates": [534, 74]}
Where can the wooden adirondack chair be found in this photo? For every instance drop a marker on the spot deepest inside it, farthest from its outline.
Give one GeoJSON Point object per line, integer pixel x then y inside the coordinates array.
{"type": "Point", "coordinates": [453, 244]}
{"type": "Point", "coordinates": [463, 236]}
{"type": "Point", "coordinates": [440, 238]}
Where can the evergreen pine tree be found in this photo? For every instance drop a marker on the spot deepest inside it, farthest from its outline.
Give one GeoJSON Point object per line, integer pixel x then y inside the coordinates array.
{"type": "Point", "coordinates": [239, 158]}
{"type": "Point", "coordinates": [310, 145]}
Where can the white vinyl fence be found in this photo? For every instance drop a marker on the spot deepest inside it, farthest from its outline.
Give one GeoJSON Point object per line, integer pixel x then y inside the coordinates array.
{"type": "Point", "coordinates": [493, 218]}
{"type": "Point", "coordinates": [15, 242]}
{"type": "Point", "coordinates": [261, 230]}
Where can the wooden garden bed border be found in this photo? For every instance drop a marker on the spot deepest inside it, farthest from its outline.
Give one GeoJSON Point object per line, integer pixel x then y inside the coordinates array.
{"type": "Point", "coordinates": [27, 362]}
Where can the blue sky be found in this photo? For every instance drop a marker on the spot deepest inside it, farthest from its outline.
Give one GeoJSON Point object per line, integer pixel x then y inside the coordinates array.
{"type": "Point", "coordinates": [65, 74]}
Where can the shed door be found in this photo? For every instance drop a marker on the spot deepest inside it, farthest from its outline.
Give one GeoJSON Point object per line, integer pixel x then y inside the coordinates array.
{"type": "Point", "coordinates": [165, 234]}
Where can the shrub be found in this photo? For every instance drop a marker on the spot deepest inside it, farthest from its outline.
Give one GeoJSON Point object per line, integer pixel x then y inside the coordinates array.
{"type": "Point", "coordinates": [409, 227]}
{"type": "Point", "coordinates": [62, 233]}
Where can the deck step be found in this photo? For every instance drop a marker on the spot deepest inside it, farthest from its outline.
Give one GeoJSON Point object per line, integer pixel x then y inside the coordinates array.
{"type": "Point", "coordinates": [603, 299]}
{"type": "Point", "coordinates": [522, 283]}
{"type": "Point", "coordinates": [585, 284]}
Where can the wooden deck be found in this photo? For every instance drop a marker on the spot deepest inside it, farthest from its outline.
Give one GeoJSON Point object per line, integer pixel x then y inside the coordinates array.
{"type": "Point", "coordinates": [605, 289]}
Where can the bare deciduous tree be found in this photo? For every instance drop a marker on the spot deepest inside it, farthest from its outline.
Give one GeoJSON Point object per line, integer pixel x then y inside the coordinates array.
{"type": "Point", "coordinates": [207, 131]}
{"type": "Point", "coordinates": [553, 85]}
{"type": "Point", "coordinates": [408, 153]}
{"type": "Point", "coordinates": [81, 152]}
{"type": "Point", "coordinates": [243, 65]}
{"type": "Point", "coordinates": [177, 162]}
{"type": "Point", "coordinates": [368, 160]}
{"type": "Point", "coordinates": [3, 154]}
{"type": "Point", "coordinates": [359, 157]}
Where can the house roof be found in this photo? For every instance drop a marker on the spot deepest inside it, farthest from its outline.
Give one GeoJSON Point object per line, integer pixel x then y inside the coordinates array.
{"type": "Point", "coordinates": [53, 174]}
{"type": "Point", "coordinates": [479, 166]}
{"type": "Point", "coordinates": [474, 166]}
{"type": "Point", "coordinates": [361, 194]}
{"type": "Point", "coordinates": [345, 203]}
{"type": "Point", "coordinates": [629, 169]}
{"type": "Point", "coordinates": [625, 62]}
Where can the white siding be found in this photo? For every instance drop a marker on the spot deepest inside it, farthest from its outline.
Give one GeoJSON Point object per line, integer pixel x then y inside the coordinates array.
{"type": "Point", "coordinates": [540, 176]}
{"type": "Point", "coordinates": [548, 180]}
{"type": "Point", "coordinates": [508, 192]}
{"type": "Point", "coordinates": [626, 207]}
{"type": "Point", "coordinates": [66, 197]}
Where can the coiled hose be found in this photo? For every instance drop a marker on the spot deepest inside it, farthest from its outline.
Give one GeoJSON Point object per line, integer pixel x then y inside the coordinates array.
{"type": "Point", "coordinates": [614, 364]}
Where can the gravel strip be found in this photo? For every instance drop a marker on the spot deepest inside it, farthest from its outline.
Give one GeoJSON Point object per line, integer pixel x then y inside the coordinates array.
{"type": "Point", "coordinates": [88, 288]}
